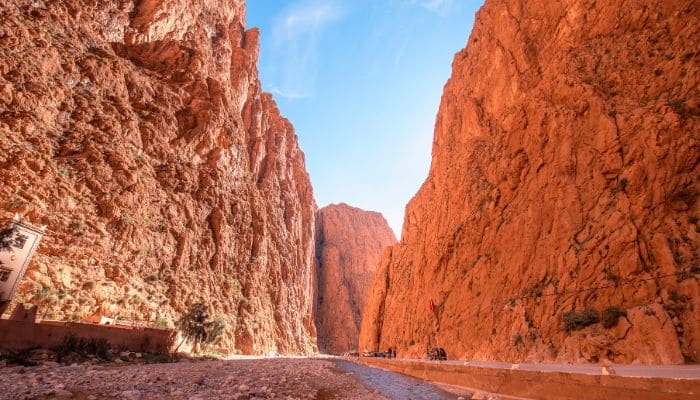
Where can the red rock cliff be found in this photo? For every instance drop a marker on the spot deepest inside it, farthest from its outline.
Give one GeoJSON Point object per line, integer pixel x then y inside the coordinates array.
{"type": "Point", "coordinates": [564, 176]}
{"type": "Point", "coordinates": [349, 243]}
{"type": "Point", "coordinates": [138, 132]}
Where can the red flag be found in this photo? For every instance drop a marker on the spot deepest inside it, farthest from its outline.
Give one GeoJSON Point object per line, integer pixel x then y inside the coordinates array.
{"type": "Point", "coordinates": [431, 306]}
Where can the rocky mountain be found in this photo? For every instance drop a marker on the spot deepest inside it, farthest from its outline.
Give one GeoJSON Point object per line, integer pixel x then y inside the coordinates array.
{"type": "Point", "coordinates": [349, 244]}
{"type": "Point", "coordinates": [559, 221]}
{"type": "Point", "coordinates": [138, 132]}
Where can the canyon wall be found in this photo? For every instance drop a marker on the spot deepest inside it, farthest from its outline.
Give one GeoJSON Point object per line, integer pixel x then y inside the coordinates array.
{"type": "Point", "coordinates": [564, 176]}
{"type": "Point", "coordinates": [138, 132]}
{"type": "Point", "coordinates": [349, 244]}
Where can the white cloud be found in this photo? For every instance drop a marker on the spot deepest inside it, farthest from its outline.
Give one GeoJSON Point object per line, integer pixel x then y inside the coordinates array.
{"type": "Point", "coordinates": [440, 7]}
{"type": "Point", "coordinates": [306, 17]}
{"type": "Point", "coordinates": [295, 42]}
{"type": "Point", "coordinates": [291, 95]}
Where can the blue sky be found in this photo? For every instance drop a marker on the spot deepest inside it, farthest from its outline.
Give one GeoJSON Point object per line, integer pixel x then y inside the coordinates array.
{"type": "Point", "coordinates": [361, 81]}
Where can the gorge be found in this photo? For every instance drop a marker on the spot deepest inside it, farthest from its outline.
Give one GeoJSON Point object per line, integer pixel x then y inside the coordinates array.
{"type": "Point", "coordinates": [558, 222]}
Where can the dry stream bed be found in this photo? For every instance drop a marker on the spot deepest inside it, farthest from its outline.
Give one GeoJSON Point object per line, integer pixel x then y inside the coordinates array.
{"type": "Point", "coordinates": [248, 378]}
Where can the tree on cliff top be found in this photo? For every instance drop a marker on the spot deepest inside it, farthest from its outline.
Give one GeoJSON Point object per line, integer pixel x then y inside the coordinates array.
{"type": "Point", "coordinates": [197, 328]}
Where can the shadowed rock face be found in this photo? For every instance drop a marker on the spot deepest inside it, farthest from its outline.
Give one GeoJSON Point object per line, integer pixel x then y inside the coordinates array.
{"type": "Point", "coordinates": [349, 243]}
{"type": "Point", "coordinates": [138, 132]}
{"type": "Point", "coordinates": [564, 175]}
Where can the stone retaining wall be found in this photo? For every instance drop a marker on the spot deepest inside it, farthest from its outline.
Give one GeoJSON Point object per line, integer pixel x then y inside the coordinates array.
{"type": "Point", "coordinates": [18, 335]}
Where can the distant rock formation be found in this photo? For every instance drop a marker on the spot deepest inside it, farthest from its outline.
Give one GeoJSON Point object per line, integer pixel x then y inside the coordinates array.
{"type": "Point", "coordinates": [138, 132]}
{"type": "Point", "coordinates": [565, 175]}
{"type": "Point", "coordinates": [349, 244]}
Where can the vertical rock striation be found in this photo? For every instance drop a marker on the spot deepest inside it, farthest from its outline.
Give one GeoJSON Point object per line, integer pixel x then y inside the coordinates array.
{"type": "Point", "coordinates": [564, 176]}
{"type": "Point", "coordinates": [138, 132]}
{"type": "Point", "coordinates": [349, 244]}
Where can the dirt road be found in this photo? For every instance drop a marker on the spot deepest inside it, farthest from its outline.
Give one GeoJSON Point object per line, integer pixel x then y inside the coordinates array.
{"type": "Point", "coordinates": [639, 371]}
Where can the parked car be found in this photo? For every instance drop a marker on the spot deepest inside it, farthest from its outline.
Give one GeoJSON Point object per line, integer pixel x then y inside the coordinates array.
{"type": "Point", "coordinates": [380, 354]}
{"type": "Point", "coordinates": [391, 353]}
{"type": "Point", "coordinates": [351, 354]}
{"type": "Point", "coordinates": [437, 353]}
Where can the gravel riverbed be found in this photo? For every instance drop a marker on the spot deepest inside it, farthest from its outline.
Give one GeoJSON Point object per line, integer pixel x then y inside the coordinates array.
{"type": "Point", "coordinates": [270, 378]}
{"type": "Point", "coordinates": [241, 378]}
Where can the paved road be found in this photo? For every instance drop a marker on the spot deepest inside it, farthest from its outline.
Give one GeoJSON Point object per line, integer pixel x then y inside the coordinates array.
{"type": "Point", "coordinates": [394, 385]}
{"type": "Point", "coordinates": [652, 371]}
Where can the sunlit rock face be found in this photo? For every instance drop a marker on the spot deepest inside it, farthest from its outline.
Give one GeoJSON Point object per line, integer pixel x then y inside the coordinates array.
{"type": "Point", "coordinates": [138, 132]}
{"type": "Point", "coordinates": [564, 175]}
{"type": "Point", "coordinates": [349, 243]}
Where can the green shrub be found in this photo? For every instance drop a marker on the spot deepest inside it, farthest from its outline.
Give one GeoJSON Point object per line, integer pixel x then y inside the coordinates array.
{"type": "Point", "coordinates": [20, 357]}
{"type": "Point", "coordinates": [685, 195]}
{"type": "Point", "coordinates": [73, 348]}
{"type": "Point", "coordinates": [89, 285]}
{"type": "Point", "coordinates": [676, 297]}
{"type": "Point", "coordinates": [127, 219]}
{"type": "Point", "coordinates": [196, 326]}
{"type": "Point", "coordinates": [233, 283]}
{"type": "Point", "coordinates": [612, 277]}
{"type": "Point", "coordinates": [574, 321]}
{"type": "Point", "coordinates": [159, 358]}
{"type": "Point", "coordinates": [621, 186]}
{"type": "Point", "coordinates": [517, 340]}
{"type": "Point", "coordinates": [97, 347]}
{"type": "Point", "coordinates": [611, 315]}
{"type": "Point", "coordinates": [161, 323]}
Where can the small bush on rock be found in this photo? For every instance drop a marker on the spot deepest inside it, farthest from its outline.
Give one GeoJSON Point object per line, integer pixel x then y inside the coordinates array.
{"type": "Point", "coordinates": [574, 321]}
{"type": "Point", "coordinates": [611, 315]}
{"type": "Point", "coordinates": [517, 340]}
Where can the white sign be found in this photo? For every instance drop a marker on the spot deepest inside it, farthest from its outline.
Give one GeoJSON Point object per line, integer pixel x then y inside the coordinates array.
{"type": "Point", "coordinates": [14, 262]}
